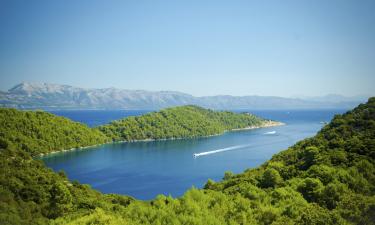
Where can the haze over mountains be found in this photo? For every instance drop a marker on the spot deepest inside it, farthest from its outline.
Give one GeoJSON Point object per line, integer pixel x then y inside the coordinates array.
{"type": "Point", "coordinates": [55, 96]}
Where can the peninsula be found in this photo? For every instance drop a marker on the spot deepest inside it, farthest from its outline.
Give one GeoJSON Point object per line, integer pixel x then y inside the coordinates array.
{"type": "Point", "coordinates": [39, 133]}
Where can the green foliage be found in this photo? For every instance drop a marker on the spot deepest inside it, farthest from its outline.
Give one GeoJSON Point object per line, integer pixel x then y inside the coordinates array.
{"type": "Point", "coordinates": [38, 132]}
{"type": "Point", "coordinates": [61, 199]}
{"type": "Point", "coordinates": [310, 156]}
{"type": "Point", "coordinates": [327, 179]}
{"type": "Point", "coordinates": [314, 214]}
{"type": "Point", "coordinates": [179, 122]}
{"type": "Point", "coordinates": [333, 194]}
{"type": "Point", "coordinates": [228, 175]}
{"type": "Point", "coordinates": [270, 178]}
{"type": "Point", "coordinates": [311, 189]}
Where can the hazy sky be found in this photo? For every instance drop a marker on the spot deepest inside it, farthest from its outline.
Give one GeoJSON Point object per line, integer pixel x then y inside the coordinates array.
{"type": "Point", "coordinates": [279, 47]}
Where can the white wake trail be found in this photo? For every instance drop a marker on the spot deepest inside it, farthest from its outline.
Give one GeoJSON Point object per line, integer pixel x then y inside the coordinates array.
{"type": "Point", "coordinates": [220, 150]}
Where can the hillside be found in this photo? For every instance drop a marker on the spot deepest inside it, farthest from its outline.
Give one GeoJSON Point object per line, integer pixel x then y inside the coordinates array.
{"type": "Point", "coordinates": [38, 132]}
{"type": "Point", "coordinates": [326, 179]}
{"type": "Point", "coordinates": [179, 122]}
{"type": "Point", "coordinates": [55, 96]}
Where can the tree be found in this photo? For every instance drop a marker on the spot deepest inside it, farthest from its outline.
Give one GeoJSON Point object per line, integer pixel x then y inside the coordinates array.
{"type": "Point", "coordinates": [228, 175]}
{"type": "Point", "coordinates": [270, 178]}
{"type": "Point", "coordinates": [61, 199]}
{"type": "Point", "coordinates": [311, 189]}
{"type": "Point", "coordinates": [210, 184]}
{"type": "Point", "coordinates": [314, 214]}
{"type": "Point", "coordinates": [310, 156]}
{"type": "Point", "coordinates": [333, 193]}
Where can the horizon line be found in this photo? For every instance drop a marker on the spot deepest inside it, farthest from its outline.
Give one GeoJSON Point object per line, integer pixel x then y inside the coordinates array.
{"type": "Point", "coordinates": [300, 96]}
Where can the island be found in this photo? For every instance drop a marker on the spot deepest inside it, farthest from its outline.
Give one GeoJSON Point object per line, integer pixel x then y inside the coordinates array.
{"type": "Point", "coordinates": [182, 122]}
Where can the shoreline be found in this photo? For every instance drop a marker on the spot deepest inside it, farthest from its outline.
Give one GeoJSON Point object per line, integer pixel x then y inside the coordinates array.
{"type": "Point", "coordinates": [268, 123]}
{"type": "Point", "coordinates": [68, 150]}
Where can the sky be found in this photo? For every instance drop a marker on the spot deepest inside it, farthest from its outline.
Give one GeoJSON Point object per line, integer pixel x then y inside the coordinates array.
{"type": "Point", "coordinates": [279, 48]}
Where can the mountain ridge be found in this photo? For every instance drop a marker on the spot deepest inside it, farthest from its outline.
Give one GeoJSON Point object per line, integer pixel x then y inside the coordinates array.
{"type": "Point", "coordinates": [31, 95]}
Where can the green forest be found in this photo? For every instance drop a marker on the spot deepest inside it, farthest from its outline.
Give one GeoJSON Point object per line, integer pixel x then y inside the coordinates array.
{"type": "Point", "coordinates": [326, 179]}
{"type": "Point", "coordinates": [178, 122]}
{"type": "Point", "coordinates": [38, 132]}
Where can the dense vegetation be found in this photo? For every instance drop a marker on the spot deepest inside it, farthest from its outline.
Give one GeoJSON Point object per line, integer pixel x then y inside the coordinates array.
{"type": "Point", "coordinates": [41, 132]}
{"type": "Point", "coordinates": [178, 122]}
{"type": "Point", "coordinates": [327, 179]}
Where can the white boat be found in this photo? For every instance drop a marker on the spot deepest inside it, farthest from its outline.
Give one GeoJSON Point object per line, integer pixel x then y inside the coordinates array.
{"type": "Point", "coordinates": [271, 132]}
{"type": "Point", "coordinates": [219, 150]}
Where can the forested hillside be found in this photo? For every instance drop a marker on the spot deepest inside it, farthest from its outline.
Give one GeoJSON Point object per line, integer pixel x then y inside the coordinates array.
{"type": "Point", "coordinates": [179, 122]}
{"type": "Point", "coordinates": [38, 132]}
{"type": "Point", "coordinates": [327, 179]}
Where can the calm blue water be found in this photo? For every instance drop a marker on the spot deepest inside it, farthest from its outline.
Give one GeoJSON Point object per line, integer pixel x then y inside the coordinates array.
{"type": "Point", "coordinates": [146, 169]}
{"type": "Point", "coordinates": [97, 117]}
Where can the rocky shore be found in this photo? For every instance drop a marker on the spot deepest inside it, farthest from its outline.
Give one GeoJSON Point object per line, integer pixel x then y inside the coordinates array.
{"type": "Point", "coordinates": [268, 123]}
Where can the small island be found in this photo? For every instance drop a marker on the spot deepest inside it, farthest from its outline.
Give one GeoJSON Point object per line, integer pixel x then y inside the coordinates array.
{"type": "Point", "coordinates": [182, 122]}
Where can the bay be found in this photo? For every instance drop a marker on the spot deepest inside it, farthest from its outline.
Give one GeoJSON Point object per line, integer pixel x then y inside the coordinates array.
{"type": "Point", "coordinates": [145, 169]}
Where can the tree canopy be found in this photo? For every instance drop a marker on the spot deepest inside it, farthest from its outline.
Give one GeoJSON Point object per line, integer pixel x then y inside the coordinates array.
{"type": "Point", "coordinates": [39, 132]}
{"type": "Point", "coordinates": [179, 122]}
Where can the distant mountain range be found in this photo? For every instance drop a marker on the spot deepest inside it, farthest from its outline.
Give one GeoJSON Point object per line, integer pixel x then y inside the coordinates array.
{"type": "Point", "coordinates": [55, 96]}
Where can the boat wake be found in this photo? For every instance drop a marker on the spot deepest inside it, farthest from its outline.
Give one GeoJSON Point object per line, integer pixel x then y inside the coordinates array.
{"type": "Point", "coordinates": [220, 150]}
{"type": "Point", "coordinates": [271, 132]}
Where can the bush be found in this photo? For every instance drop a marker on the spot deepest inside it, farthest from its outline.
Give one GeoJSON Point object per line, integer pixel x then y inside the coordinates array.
{"type": "Point", "coordinates": [270, 178]}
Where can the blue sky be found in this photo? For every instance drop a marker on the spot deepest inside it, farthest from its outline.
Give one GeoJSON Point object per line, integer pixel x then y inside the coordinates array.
{"type": "Point", "coordinates": [281, 48]}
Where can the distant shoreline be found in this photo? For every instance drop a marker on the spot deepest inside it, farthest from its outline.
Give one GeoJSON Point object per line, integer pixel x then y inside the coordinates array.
{"type": "Point", "coordinates": [268, 123]}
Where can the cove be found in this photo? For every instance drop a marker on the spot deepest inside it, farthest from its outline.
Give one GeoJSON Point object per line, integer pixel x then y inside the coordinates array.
{"type": "Point", "coordinates": [145, 169]}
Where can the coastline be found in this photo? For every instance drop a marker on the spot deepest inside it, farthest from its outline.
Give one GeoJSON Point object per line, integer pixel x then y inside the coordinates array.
{"type": "Point", "coordinates": [268, 123]}
{"type": "Point", "coordinates": [68, 150]}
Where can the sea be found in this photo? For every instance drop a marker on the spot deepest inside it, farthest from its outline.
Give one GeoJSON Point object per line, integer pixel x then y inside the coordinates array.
{"type": "Point", "coordinates": [146, 169]}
